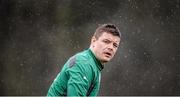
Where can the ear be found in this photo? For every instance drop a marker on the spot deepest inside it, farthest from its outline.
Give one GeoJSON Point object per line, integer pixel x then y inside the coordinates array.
{"type": "Point", "coordinates": [93, 39]}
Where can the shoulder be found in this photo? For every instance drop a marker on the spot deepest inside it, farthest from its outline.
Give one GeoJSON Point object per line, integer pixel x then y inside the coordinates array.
{"type": "Point", "coordinates": [80, 63]}
{"type": "Point", "coordinates": [81, 59]}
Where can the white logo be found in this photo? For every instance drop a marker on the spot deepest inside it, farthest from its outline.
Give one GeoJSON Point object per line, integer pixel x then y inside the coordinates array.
{"type": "Point", "coordinates": [85, 78]}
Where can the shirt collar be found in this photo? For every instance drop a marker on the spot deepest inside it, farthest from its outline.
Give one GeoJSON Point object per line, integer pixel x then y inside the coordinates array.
{"type": "Point", "coordinates": [99, 65]}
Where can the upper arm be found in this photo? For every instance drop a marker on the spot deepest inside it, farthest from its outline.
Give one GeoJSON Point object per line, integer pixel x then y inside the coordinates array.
{"type": "Point", "coordinates": [79, 79]}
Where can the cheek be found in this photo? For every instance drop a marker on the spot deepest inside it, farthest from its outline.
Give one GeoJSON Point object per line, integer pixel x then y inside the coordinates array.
{"type": "Point", "coordinates": [98, 45]}
{"type": "Point", "coordinates": [115, 50]}
{"type": "Point", "coordinates": [99, 48]}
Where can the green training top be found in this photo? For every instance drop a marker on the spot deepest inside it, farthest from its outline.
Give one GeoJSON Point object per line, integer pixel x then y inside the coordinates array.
{"type": "Point", "coordinates": [80, 76]}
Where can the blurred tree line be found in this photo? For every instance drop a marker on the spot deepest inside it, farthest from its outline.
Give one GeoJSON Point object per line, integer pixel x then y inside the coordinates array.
{"type": "Point", "coordinates": [38, 36]}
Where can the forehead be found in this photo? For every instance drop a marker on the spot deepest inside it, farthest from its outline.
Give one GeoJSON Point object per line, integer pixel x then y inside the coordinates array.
{"type": "Point", "coordinates": [110, 37]}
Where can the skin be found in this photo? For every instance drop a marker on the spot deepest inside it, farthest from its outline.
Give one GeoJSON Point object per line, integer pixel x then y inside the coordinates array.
{"type": "Point", "coordinates": [105, 46]}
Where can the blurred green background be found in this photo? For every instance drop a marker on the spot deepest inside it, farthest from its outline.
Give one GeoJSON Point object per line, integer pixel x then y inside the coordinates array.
{"type": "Point", "coordinates": [38, 36]}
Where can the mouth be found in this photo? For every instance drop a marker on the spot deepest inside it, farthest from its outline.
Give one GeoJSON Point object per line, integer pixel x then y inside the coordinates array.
{"type": "Point", "coordinates": [108, 54]}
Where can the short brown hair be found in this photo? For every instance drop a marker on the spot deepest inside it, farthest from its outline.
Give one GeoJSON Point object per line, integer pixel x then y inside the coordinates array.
{"type": "Point", "coordinates": [109, 28]}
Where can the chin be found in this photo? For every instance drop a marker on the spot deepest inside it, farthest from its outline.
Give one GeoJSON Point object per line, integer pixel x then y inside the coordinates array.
{"type": "Point", "coordinates": [105, 60]}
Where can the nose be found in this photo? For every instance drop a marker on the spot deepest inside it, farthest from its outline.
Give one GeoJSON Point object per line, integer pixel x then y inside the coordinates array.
{"type": "Point", "coordinates": [110, 47]}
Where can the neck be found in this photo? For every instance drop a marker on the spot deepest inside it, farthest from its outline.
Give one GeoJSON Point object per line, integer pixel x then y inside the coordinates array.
{"type": "Point", "coordinates": [92, 49]}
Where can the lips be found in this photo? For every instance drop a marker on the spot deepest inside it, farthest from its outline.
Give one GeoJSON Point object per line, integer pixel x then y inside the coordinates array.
{"type": "Point", "coordinates": [108, 54]}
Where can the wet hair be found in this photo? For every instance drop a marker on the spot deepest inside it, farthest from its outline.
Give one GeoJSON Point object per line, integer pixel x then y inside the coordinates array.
{"type": "Point", "coordinates": [108, 28]}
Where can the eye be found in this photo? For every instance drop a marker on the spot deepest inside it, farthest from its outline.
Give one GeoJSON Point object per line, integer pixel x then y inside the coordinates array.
{"type": "Point", "coordinates": [115, 45]}
{"type": "Point", "coordinates": [106, 41]}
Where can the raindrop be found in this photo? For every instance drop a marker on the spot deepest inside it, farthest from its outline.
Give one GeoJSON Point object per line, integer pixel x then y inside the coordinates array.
{"type": "Point", "coordinates": [173, 58]}
{"type": "Point", "coordinates": [153, 86]}
{"type": "Point", "coordinates": [21, 64]}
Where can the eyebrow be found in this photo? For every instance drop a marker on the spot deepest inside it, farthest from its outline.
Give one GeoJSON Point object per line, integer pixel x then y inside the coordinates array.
{"type": "Point", "coordinates": [110, 40]}
{"type": "Point", "coordinates": [116, 42]}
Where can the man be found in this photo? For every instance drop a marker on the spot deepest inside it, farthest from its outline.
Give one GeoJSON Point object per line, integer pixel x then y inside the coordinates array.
{"type": "Point", "coordinates": [81, 74]}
